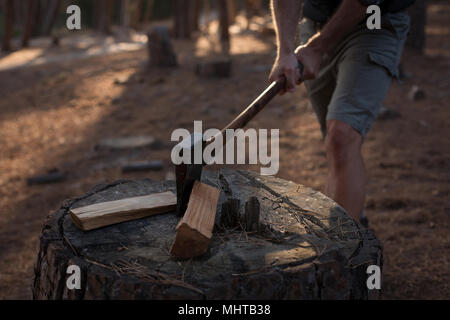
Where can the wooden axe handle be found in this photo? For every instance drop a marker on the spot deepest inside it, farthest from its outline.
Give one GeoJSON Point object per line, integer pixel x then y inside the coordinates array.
{"type": "Point", "coordinates": [259, 103]}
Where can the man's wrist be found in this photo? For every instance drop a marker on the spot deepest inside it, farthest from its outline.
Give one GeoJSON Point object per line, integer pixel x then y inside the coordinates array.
{"type": "Point", "coordinates": [285, 50]}
{"type": "Point", "coordinates": [318, 43]}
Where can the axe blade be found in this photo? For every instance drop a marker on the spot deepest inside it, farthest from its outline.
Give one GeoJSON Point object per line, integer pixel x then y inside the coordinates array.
{"type": "Point", "coordinates": [187, 173]}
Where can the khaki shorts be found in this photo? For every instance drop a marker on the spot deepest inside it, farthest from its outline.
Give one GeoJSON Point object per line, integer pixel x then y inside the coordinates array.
{"type": "Point", "coordinates": [355, 77]}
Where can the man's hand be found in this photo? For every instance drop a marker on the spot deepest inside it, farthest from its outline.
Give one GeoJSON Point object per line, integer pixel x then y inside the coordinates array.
{"type": "Point", "coordinates": [311, 58]}
{"type": "Point", "coordinates": [286, 15]}
{"type": "Point", "coordinates": [286, 65]}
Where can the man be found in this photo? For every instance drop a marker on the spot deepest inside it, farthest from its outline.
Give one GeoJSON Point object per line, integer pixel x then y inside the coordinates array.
{"type": "Point", "coordinates": [348, 70]}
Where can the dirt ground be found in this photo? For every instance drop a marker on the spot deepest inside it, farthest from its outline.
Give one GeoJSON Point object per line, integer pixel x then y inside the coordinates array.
{"type": "Point", "coordinates": [54, 115]}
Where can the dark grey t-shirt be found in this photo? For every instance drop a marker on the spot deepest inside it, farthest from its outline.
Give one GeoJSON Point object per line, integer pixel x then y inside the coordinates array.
{"type": "Point", "coordinates": [322, 10]}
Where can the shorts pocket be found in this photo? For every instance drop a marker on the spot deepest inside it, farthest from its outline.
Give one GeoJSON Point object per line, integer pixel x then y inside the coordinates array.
{"type": "Point", "coordinates": [306, 30]}
{"type": "Point", "coordinates": [385, 62]}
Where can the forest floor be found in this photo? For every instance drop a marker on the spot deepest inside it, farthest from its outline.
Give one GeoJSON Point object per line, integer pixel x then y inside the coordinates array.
{"type": "Point", "coordinates": [54, 115]}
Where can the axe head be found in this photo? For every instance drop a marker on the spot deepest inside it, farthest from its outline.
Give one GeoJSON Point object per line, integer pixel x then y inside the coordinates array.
{"type": "Point", "coordinates": [187, 173]}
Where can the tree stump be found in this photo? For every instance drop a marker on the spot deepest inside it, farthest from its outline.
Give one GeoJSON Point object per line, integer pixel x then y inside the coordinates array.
{"type": "Point", "coordinates": [214, 68]}
{"type": "Point", "coordinates": [160, 50]}
{"type": "Point", "coordinates": [305, 246]}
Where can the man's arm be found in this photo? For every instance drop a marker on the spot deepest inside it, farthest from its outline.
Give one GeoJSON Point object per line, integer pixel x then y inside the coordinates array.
{"type": "Point", "coordinates": [344, 21]}
{"type": "Point", "coordinates": [348, 15]}
{"type": "Point", "coordinates": [286, 14]}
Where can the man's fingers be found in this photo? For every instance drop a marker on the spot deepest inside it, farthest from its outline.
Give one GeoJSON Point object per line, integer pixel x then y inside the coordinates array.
{"type": "Point", "coordinates": [290, 79]}
{"type": "Point", "coordinates": [275, 75]}
{"type": "Point", "coordinates": [298, 79]}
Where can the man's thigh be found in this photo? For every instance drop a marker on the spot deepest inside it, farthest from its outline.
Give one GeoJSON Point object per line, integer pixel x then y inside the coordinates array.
{"type": "Point", "coordinates": [361, 87]}
{"type": "Point", "coordinates": [353, 84]}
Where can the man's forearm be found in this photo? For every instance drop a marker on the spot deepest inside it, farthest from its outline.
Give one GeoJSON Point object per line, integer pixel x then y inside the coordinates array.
{"type": "Point", "coordinates": [346, 18]}
{"type": "Point", "coordinates": [286, 14]}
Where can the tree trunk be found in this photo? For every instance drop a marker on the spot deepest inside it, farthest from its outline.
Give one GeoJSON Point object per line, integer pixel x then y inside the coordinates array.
{"type": "Point", "coordinates": [51, 16]}
{"type": "Point", "coordinates": [124, 20]}
{"type": "Point", "coordinates": [31, 13]}
{"type": "Point", "coordinates": [304, 246]}
{"type": "Point", "coordinates": [231, 11]}
{"type": "Point", "coordinates": [177, 18]}
{"type": "Point", "coordinates": [418, 14]}
{"type": "Point", "coordinates": [224, 22]}
{"type": "Point", "coordinates": [252, 8]}
{"type": "Point", "coordinates": [148, 10]}
{"type": "Point", "coordinates": [183, 22]}
{"type": "Point", "coordinates": [8, 24]}
{"type": "Point", "coordinates": [36, 31]}
{"type": "Point", "coordinates": [207, 5]}
{"type": "Point", "coordinates": [194, 14]}
{"type": "Point", "coordinates": [135, 13]}
{"type": "Point", "coordinates": [103, 14]}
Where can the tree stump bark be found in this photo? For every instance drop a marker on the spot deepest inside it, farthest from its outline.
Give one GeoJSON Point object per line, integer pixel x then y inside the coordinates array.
{"type": "Point", "coordinates": [305, 247]}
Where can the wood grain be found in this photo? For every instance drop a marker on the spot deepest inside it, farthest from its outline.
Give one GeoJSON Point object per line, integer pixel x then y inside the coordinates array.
{"type": "Point", "coordinates": [194, 231]}
{"type": "Point", "coordinates": [107, 213]}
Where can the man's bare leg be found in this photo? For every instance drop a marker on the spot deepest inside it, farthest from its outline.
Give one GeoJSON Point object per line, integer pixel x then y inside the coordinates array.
{"type": "Point", "coordinates": [346, 173]}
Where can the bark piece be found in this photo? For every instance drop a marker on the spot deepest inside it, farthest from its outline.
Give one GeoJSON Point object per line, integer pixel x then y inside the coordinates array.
{"type": "Point", "coordinates": [230, 217]}
{"type": "Point", "coordinates": [111, 212]}
{"type": "Point", "coordinates": [252, 210]}
{"type": "Point", "coordinates": [194, 231]}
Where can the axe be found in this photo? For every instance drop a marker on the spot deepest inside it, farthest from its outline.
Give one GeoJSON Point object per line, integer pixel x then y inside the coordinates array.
{"type": "Point", "coordinates": [186, 174]}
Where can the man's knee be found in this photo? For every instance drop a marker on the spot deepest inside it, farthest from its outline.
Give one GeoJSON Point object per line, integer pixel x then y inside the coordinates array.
{"type": "Point", "coordinates": [342, 140]}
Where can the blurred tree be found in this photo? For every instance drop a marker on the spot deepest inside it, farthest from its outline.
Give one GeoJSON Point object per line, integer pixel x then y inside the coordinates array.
{"type": "Point", "coordinates": [103, 12]}
{"type": "Point", "coordinates": [31, 13]}
{"type": "Point", "coordinates": [418, 14]}
{"type": "Point", "coordinates": [149, 4]}
{"type": "Point", "coordinates": [185, 17]}
{"type": "Point", "coordinates": [135, 12]}
{"type": "Point", "coordinates": [52, 10]}
{"type": "Point", "coordinates": [163, 9]}
{"type": "Point", "coordinates": [252, 8]}
{"type": "Point", "coordinates": [124, 18]}
{"type": "Point", "coordinates": [224, 21]}
{"type": "Point", "coordinates": [8, 16]}
{"type": "Point", "coordinates": [232, 11]}
{"type": "Point", "coordinates": [194, 14]}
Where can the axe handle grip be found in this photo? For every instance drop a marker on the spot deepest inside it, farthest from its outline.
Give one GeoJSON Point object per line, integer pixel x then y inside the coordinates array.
{"type": "Point", "coordinates": [259, 103]}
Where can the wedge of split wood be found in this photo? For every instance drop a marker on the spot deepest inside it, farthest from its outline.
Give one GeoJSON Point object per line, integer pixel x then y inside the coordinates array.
{"type": "Point", "coordinates": [111, 212]}
{"type": "Point", "coordinates": [194, 231]}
